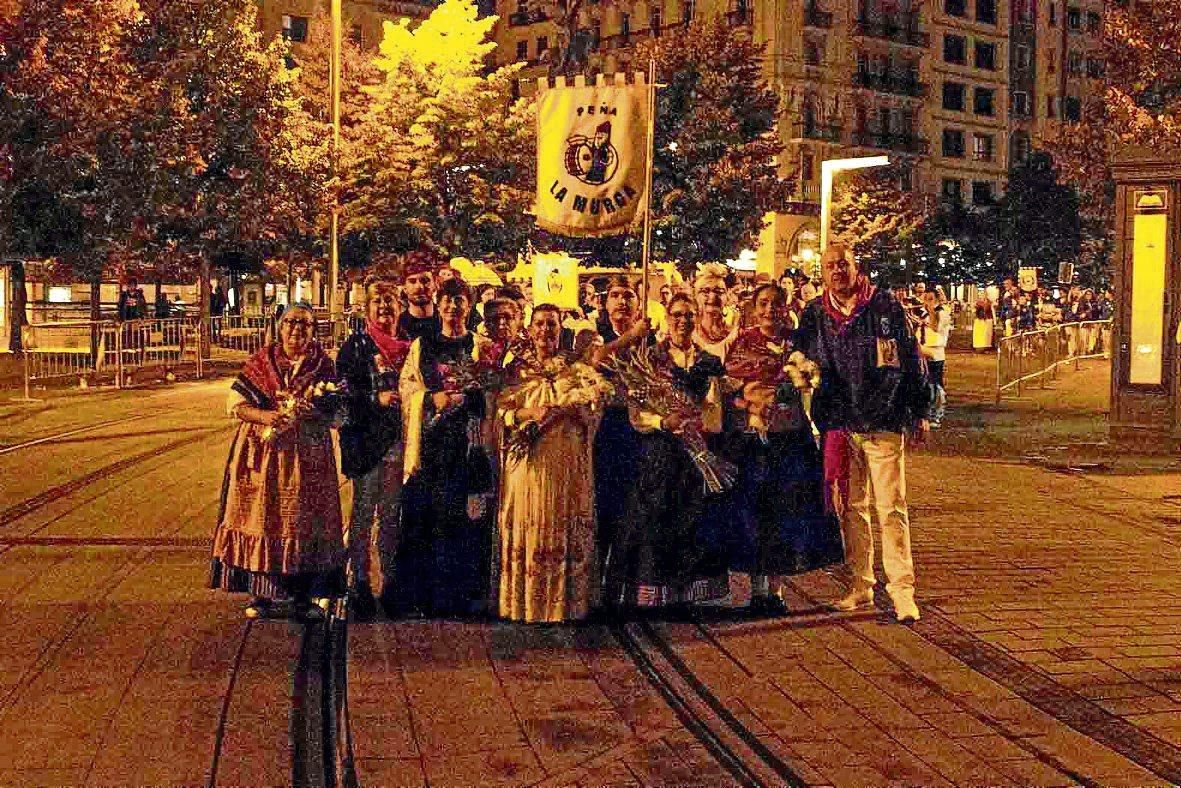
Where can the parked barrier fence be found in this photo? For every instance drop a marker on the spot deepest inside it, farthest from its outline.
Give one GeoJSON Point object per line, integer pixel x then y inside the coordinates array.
{"type": "Point", "coordinates": [1030, 355]}
{"type": "Point", "coordinates": [108, 351]}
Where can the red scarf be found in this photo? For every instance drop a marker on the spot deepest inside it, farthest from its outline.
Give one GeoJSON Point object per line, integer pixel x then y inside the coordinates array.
{"type": "Point", "coordinates": [393, 350]}
{"type": "Point", "coordinates": [861, 295]}
{"type": "Point", "coordinates": [269, 370]}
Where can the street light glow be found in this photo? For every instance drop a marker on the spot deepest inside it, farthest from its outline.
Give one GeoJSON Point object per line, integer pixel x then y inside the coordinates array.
{"type": "Point", "coordinates": [830, 167]}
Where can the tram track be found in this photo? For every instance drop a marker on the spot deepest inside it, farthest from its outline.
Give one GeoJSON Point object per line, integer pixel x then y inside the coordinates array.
{"type": "Point", "coordinates": [69, 434]}
{"type": "Point", "coordinates": [727, 739]}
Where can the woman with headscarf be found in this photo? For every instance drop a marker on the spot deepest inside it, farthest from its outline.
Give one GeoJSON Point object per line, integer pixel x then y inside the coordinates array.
{"type": "Point", "coordinates": [782, 485]}
{"type": "Point", "coordinates": [280, 532]}
{"type": "Point", "coordinates": [443, 561]}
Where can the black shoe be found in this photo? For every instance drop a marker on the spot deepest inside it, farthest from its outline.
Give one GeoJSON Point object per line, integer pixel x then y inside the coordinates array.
{"type": "Point", "coordinates": [767, 605]}
{"type": "Point", "coordinates": [363, 605]}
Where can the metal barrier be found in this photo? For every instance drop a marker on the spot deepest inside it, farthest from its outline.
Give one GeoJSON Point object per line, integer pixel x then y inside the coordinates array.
{"type": "Point", "coordinates": [64, 350]}
{"type": "Point", "coordinates": [152, 344]}
{"type": "Point", "coordinates": [1022, 357]}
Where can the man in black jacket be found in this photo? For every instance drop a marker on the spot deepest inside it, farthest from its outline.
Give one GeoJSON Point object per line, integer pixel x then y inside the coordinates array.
{"type": "Point", "coordinates": [370, 362]}
{"type": "Point", "coordinates": [873, 390]}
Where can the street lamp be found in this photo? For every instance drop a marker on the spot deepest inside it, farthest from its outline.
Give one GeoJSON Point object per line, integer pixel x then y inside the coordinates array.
{"type": "Point", "coordinates": [830, 167]}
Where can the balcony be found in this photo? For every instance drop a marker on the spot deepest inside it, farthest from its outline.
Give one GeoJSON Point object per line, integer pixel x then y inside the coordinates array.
{"type": "Point", "coordinates": [904, 143]}
{"type": "Point", "coordinates": [901, 29]}
{"type": "Point", "coordinates": [804, 130]}
{"type": "Point", "coordinates": [897, 83]}
{"type": "Point", "coordinates": [814, 17]}
{"type": "Point", "coordinates": [742, 17]}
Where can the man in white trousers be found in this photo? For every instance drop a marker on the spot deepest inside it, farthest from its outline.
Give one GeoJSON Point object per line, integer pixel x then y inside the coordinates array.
{"type": "Point", "coordinates": [873, 391]}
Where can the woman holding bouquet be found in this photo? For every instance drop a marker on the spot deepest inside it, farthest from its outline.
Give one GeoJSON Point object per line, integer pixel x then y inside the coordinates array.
{"type": "Point", "coordinates": [658, 557]}
{"type": "Point", "coordinates": [444, 553]}
{"type": "Point", "coordinates": [782, 472]}
{"type": "Point", "coordinates": [279, 532]}
{"type": "Point", "coordinates": [547, 511]}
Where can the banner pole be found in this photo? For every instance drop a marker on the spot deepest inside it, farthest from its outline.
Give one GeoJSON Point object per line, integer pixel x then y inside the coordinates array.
{"type": "Point", "coordinates": [647, 242]}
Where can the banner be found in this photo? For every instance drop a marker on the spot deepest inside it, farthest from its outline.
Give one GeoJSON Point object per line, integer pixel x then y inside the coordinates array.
{"type": "Point", "coordinates": [591, 157]}
{"type": "Point", "coordinates": [555, 280]}
{"type": "Point", "coordinates": [1027, 279]}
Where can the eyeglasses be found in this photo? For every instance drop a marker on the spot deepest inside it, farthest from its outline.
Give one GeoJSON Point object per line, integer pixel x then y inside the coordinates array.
{"type": "Point", "coordinates": [712, 290]}
{"type": "Point", "coordinates": [686, 315]}
{"type": "Point", "coordinates": [297, 323]}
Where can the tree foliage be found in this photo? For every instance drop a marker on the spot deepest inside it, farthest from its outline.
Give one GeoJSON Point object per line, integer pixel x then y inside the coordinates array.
{"type": "Point", "coordinates": [441, 155]}
{"type": "Point", "coordinates": [878, 219]}
{"type": "Point", "coordinates": [1037, 220]}
{"type": "Point", "coordinates": [715, 169]}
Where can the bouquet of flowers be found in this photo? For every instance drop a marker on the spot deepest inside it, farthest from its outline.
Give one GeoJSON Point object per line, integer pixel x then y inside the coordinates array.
{"type": "Point", "coordinates": [325, 398]}
{"type": "Point", "coordinates": [651, 387]}
{"type": "Point", "coordinates": [574, 385]}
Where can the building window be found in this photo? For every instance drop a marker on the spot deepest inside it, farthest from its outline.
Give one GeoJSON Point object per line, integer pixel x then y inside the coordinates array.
{"type": "Point", "coordinates": [357, 35]}
{"type": "Point", "coordinates": [982, 192]}
{"type": "Point", "coordinates": [813, 54]}
{"type": "Point", "coordinates": [952, 190]}
{"type": "Point", "coordinates": [625, 25]}
{"type": "Point", "coordinates": [1071, 109]}
{"type": "Point", "coordinates": [1053, 15]}
{"type": "Point", "coordinates": [60, 295]}
{"type": "Point", "coordinates": [905, 178]}
{"type": "Point", "coordinates": [1095, 68]}
{"type": "Point", "coordinates": [982, 101]}
{"type": "Point", "coordinates": [1020, 146]}
{"type": "Point", "coordinates": [982, 147]}
{"type": "Point", "coordinates": [1023, 58]}
{"type": "Point", "coordinates": [1051, 61]}
{"type": "Point", "coordinates": [807, 167]}
{"type": "Point", "coordinates": [522, 50]}
{"type": "Point", "coordinates": [1051, 106]}
{"type": "Point", "coordinates": [955, 50]}
{"type": "Point", "coordinates": [986, 11]}
{"type": "Point", "coordinates": [1074, 63]}
{"type": "Point", "coordinates": [1074, 19]}
{"type": "Point", "coordinates": [986, 56]}
{"type": "Point", "coordinates": [687, 12]}
{"type": "Point", "coordinates": [953, 96]}
{"type": "Point", "coordinates": [1021, 103]}
{"type": "Point", "coordinates": [1093, 23]}
{"type": "Point", "coordinates": [295, 28]}
{"type": "Point", "coordinates": [654, 23]}
{"type": "Point", "coordinates": [953, 143]}
{"type": "Point", "coordinates": [1024, 10]}
{"type": "Point", "coordinates": [955, 7]}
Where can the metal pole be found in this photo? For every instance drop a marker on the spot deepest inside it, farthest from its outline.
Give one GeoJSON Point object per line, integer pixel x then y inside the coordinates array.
{"type": "Point", "coordinates": [334, 262]}
{"type": "Point", "coordinates": [647, 252]}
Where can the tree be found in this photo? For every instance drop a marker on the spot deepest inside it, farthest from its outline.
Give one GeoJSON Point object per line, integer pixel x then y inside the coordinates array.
{"type": "Point", "coordinates": [715, 170]}
{"type": "Point", "coordinates": [1037, 219]}
{"type": "Point", "coordinates": [958, 243]}
{"type": "Point", "coordinates": [1140, 105]}
{"type": "Point", "coordinates": [442, 155]}
{"type": "Point", "coordinates": [878, 219]}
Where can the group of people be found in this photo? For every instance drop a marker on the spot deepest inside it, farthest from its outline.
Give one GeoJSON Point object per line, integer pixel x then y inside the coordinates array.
{"type": "Point", "coordinates": [1010, 310]}
{"type": "Point", "coordinates": [538, 468]}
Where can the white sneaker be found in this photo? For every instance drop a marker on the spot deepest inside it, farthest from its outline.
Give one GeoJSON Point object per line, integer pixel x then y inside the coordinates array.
{"type": "Point", "coordinates": [854, 600]}
{"type": "Point", "coordinates": [906, 611]}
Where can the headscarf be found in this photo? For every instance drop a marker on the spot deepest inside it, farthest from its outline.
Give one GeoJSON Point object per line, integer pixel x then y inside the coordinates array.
{"type": "Point", "coordinates": [269, 372]}
{"type": "Point", "coordinates": [393, 350]}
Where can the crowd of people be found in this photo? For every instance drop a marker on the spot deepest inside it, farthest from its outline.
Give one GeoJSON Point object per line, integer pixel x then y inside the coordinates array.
{"type": "Point", "coordinates": [518, 460]}
{"type": "Point", "coordinates": [1009, 310]}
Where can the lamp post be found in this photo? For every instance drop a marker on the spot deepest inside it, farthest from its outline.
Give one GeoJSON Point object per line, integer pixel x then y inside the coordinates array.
{"type": "Point", "coordinates": [829, 168]}
{"type": "Point", "coordinates": [334, 87]}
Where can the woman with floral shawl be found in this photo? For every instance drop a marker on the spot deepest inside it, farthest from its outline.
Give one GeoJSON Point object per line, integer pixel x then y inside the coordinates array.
{"type": "Point", "coordinates": [782, 486]}
{"type": "Point", "coordinates": [279, 531]}
{"type": "Point", "coordinates": [547, 506]}
{"type": "Point", "coordinates": [660, 556]}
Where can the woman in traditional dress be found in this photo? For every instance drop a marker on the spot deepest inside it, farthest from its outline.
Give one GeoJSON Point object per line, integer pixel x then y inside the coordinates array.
{"type": "Point", "coordinates": [712, 333]}
{"type": "Point", "coordinates": [280, 532]}
{"type": "Point", "coordinates": [982, 327]}
{"type": "Point", "coordinates": [548, 569]}
{"type": "Point", "coordinates": [782, 472]}
{"type": "Point", "coordinates": [616, 448]}
{"type": "Point", "coordinates": [658, 557]}
{"type": "Point", "coordinates": [443, 561]}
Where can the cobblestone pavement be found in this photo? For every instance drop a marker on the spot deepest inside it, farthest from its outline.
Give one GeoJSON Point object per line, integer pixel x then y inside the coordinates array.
{"type": "Point", "coordinates": [1047, 655]}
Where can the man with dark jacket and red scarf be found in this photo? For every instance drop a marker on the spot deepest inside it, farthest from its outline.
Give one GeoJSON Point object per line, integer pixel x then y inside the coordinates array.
{"type": "Point", "coordinates": [873, 390]}
{"type": "Point", "coordinates": [371, 439]}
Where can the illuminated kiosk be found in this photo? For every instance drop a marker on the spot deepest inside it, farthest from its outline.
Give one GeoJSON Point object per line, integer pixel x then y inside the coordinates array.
{"type": "Point", "coordinates": [1146, 331]}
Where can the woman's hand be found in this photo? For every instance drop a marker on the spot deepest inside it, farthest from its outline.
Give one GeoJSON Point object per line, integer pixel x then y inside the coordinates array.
{"type": "Point", "coordinates": [387, 398]}
{"type": "Point", "coordinates": [531, 414]}
{"type": "Point", "coordinates": [445, 401]}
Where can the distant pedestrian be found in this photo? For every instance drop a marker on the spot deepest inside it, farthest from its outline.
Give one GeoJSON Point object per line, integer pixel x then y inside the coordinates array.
{"type": "Point", "coordinates": [279, 533]}
{"type": "Point", "coordinates": [132, 303]}
{"type": "Point", "coordinates": [872, 391]}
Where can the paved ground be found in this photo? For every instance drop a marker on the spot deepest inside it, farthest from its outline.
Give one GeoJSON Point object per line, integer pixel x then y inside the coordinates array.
{"type": "Point", "coordinates": [1048, 654]}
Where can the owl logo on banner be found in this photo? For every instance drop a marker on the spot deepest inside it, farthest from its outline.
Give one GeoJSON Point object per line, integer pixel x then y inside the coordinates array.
{"type": "Point", "coordinates": [1027, 279]}
{"type": "Point", "coordinates": [591, 157]}
{"type": "Point", "coordinates": [555, 280]}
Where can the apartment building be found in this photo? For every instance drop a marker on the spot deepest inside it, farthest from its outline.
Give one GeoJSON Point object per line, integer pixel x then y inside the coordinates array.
{"type": "Point", "coordinates": [1074, 70]}
{"type": "Point", "coordinates": [293, 19]}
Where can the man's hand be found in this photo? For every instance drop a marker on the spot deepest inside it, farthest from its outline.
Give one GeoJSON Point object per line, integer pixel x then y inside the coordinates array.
{"type": "Point", "coordinates": [445, 401]}
{"type": "Point", "coordinates": [387, 398]}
